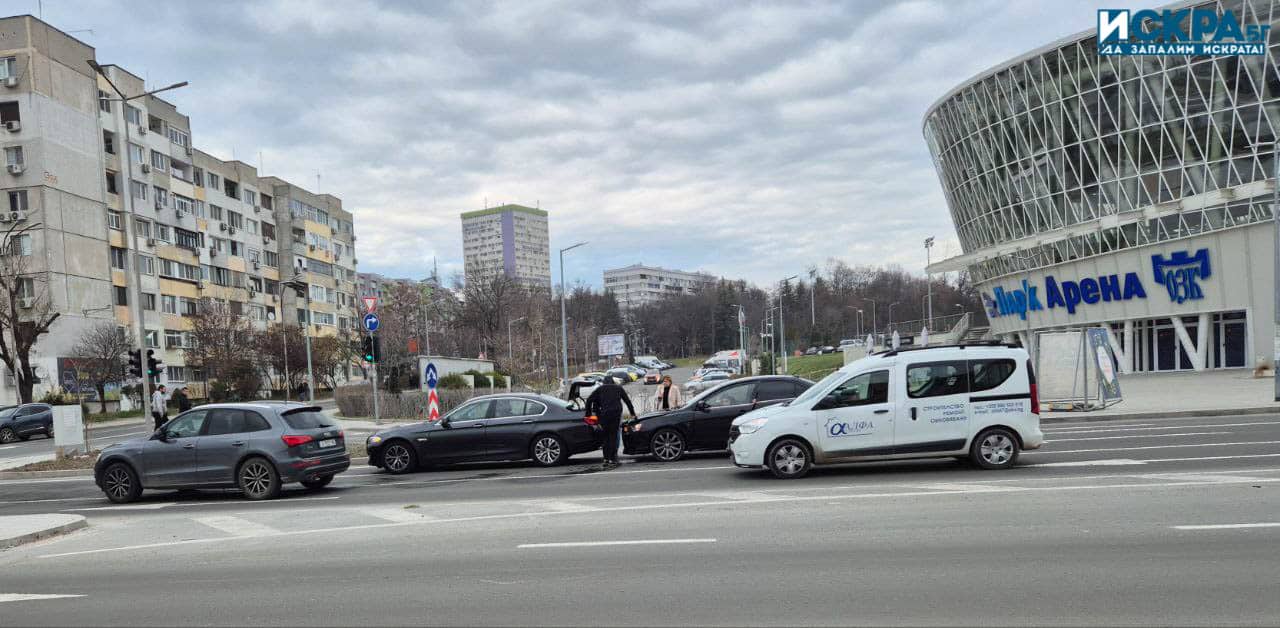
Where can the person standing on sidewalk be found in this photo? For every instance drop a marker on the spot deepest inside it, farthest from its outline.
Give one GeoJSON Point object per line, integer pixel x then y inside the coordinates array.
{"type": "Point", "coordinates": [668, 395]}
{"type": "Point", "coordinates": [606, 402]}
{"type": "Point", "coordinates": [184, 402]}
{"type": "Point", "coordinates": [159, 406]}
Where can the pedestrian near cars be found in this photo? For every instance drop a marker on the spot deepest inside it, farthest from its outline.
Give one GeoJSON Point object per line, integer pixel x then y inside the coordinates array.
{"type": "Point", "coordinates": [606, 402]}
{"type": "Point", "coordinates": [159, 406]}
{"type": "Point", "coordinates": [668, 395]}
{"type": "Point", "coordinates": [184, 402]}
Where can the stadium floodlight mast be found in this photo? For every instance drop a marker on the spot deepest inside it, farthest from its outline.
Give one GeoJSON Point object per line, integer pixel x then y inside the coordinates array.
{"type": "Point", "coordinates": [564, 324]}
{"type": "Point", "coordinates": [928, 278]}
{"type": "Point", "coordinates": [130, 226]}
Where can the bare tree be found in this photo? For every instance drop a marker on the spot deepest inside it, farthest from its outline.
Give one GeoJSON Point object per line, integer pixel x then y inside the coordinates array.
{"type": "Point", "coordinates": [26, 310]}
{"type": "Point", "coordinates": [219, 337]}
{"type": "Point", "coordinates": [101, 356]}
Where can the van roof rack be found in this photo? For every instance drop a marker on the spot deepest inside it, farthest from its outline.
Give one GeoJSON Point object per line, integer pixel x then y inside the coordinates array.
{"type": "Point", "coordinates": [976, 343]}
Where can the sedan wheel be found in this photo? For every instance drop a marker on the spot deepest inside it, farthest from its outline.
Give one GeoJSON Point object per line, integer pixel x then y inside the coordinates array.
{"type": "Point", "coordinates": [994, 449]}
{"type": "Point", "coordinates": [259, 480]}
{"type": "Point", "coordinates": [788, 459]}
{"type": "Point", "coordinates": [667, 445]}
{"type": "Point", "coordinates": [7, 435]}
{"type": "Point", "coordinates": [120, 483]}
{"type": "Point", "coordinates": [397, 458]}
{"type": "Point", "coordinates": [548, 451]}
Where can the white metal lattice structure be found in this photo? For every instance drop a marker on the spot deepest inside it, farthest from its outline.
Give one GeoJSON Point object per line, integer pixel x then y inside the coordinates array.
{"type": "Point", "coordinates": [1063, 154]}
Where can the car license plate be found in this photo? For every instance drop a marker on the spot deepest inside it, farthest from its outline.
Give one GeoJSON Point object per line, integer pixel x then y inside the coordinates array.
{"type": "Point", "coordinates": [329, 442]}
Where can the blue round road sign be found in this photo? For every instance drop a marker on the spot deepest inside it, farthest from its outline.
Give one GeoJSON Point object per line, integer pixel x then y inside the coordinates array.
{"type": "Point", "coordinates": [371, 321]}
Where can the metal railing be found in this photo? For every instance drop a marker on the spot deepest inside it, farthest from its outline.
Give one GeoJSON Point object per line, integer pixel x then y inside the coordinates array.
{"type": "Point", "coordinates": [913, 328]}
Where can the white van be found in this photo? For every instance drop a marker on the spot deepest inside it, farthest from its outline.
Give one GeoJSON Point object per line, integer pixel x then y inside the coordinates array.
{"type": "Point", "coordinates": [968, 401]}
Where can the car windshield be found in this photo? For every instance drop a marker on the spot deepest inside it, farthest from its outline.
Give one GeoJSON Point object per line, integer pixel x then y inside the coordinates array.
{"type": "Point", "coordinates": [306, 419]}
{"type": "Point", "coordinates": [816, 389]}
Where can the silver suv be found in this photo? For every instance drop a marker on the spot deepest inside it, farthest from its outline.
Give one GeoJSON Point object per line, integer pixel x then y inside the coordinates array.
{"type": "Point", "coordinates": [256, 447]}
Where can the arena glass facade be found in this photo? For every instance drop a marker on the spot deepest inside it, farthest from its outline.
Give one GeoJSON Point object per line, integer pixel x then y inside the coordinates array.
{"type": "Point", "coordinates": [1131, 192]}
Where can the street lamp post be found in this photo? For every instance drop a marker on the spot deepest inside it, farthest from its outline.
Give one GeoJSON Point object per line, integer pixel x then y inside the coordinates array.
{"type": "Point", "coordinates": [860, 323]}
{"type": "Point", "coordinates": [782, 322]}
{"type": "Point", "coordinates": [928, 277]}
{"type": "Point", "coordinates": [564, 325]}
{"type": "Point", "coordinates": [302, 289]}
{"type": "Point", "coordinates": [1275, 221]}
{"type": "Point", "coordinates": [742, 353]}
{"type": "Point", "coordinates": [891, 306]}
{"type": "Point", "coordinates": [131, 227]}
{"type": "Point", "coordinates": [284, 342]}
{"type": "Point", "coordinates": [874, 330]}
{"type": "Point", "coordinates": [509, 324]}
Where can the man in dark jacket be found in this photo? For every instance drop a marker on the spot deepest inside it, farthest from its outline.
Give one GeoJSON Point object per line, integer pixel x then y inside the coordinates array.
{"type": "Point", "coordinates": [606, 403]}
{"type": "Point", "coordinates": [183, 401]}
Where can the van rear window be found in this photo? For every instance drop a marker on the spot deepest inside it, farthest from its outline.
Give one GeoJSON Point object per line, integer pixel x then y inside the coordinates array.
{"type": "Point", "coordinates": [306, 419]}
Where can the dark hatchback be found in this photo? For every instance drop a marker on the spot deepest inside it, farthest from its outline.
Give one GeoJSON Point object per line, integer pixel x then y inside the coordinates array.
{"type": "Point", "coordinates": [703, 423]}
{"type": "Point", "coordinates": [512, 426]}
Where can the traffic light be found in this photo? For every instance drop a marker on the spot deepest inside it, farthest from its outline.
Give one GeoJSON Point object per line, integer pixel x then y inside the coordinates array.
{"type": "Point", "coordinates": [153, 365]}
{"type": "Point", "coordinates": [135, 363]}
{"type": "Point", "coordinates": [370, 349]}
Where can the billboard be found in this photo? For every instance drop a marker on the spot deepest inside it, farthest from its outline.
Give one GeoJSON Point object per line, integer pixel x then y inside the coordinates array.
{"type": "Point", "coordinates": [73, 379]}
{"type": "Point", "coordinates": [611, 344]}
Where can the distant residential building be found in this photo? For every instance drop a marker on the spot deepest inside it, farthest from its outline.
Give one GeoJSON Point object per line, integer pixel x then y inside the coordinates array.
{"type": "Point", "coordinates": [379, 286]}
{"type": "Point", "coordinates": [637, 284]}
{"type": "Point", "coordinates": [509, 239]}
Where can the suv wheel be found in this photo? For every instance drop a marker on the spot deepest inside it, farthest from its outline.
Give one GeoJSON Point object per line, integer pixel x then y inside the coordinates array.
{"type": "Point", "coordinates": [996, 448]}
{"type": "Point", "coordinates": [398, 457]}
{"type": "Point", "coordinates": [7, 435]}
{"type": "Point", "coordinates": [788, 459]}
{"type": "Point", "coordinates": [258, 479]}
{"type": "Point", "coordinates": [667, 445]}
{"type": "Point", "coordinates": [120, 483]}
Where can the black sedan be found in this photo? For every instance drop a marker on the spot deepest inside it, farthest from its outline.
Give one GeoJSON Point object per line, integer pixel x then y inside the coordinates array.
{"type": "Point", "coordinates": [512, 426]}
{"type": "Point", "coordinates": [703, 423]}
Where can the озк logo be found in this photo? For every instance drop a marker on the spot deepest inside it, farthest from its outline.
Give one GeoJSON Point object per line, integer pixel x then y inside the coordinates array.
{"type": "Point", "coordinates": [1178, 32]}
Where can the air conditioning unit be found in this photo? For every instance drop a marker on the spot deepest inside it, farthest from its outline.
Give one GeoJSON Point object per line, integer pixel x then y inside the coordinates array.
{"type": "Point", "coordinates": [311, 247]}
{"type": "Point", "coordinates": [353, 237]}
{"type": "Point", "coordinates": [257, 208]}
{"type": "Point", "coordinates": [200, 284]}
{"type": "Point", "coordinates": [13, 126]}
{"type": "Point", "coordinates": [12, 216]}
{"type": "Point", "coordinates": [354, 261]}
{"type": "Point", "coordinates": [146, 168]}
{"type": "Point", "coordinates": [11, 82]}
{"type": "Point", "coordinates": [257, 265]}
{"type": "Point", "coordinates": [16, 169]}
{"type": "Point", "coordinates": [159, 204]}
{"type": "Point", "coordinates": [222, 226]}
{"type": "Point", "coordinates": [27, 303]}
{"type": "Point", "coordinates": [231, 230]}
{"type": "Point", "coordinates": [142, 130]}
{"type": "Point", "coordinates": [188, 149]}
{"type": "Point", "coordinates": [151, 241]}
{"type": "Point", "coordinates": [266, 240]}
{"type": "Point", "coordinates": [213, 252]}
{"type": "Point", "coordinates": [178, 214]}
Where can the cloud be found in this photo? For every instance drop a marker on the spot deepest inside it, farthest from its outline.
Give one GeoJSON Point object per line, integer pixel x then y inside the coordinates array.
{"type": "Point", "coordinates": [748, 139]}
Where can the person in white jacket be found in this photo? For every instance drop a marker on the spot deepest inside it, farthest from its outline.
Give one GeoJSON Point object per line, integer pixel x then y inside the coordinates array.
{"type": "Point", "coordinates": [668, 395]}
{"type": "Point", "coordinates": [159, 406]}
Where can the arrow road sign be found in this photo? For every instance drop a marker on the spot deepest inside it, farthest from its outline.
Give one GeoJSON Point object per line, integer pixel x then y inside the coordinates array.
{"type": "Point", "coordinates": [433, 376]}
{"type": "Point", "coordinates": [371, 321]}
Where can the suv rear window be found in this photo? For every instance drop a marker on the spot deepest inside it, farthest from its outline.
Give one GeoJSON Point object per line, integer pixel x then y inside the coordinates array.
{"type": "Point", "coordinates": [306, 419]}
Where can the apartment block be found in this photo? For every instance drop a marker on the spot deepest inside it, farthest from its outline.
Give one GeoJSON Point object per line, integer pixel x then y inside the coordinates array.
{"type": "Point", "coordinates": [509, 239]}
{"type": "Point", "coordinates": [637, 284]}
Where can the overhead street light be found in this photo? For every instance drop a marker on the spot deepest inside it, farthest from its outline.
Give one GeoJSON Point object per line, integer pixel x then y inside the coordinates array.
{"type": "Point", "coordinates": [564, 325]}
{"type": "Point", "coordinates": [928, 278]}
{"type": "Point", "coordinates": [303, 290]}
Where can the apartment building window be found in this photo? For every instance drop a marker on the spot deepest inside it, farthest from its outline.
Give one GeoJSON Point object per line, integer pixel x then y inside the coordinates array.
{"type": "Point", "coordinates": [271, 258]}
{"type": "Point", "coordinates": [302, 316]}
{"type": "Point", "coordinates": [156, 124]}
{"type": "Point", "coordinates": [187, 239]}
{"type": "Point", "coordinates": [215, 212]}
{"type": "Point", "coordinates": [121, 295]}
{"type": "Point", "coordinates": [180, 169]}
{"type": "Point", "coordinates": [188, 307]}
{"type": "Point", "coordinates": [220, 276]}
{"type": "Point", "coordinates": [18, 245]}
{"type": "Point", "coordinates": [344, 322]}
{"type": "Point", "coordinates": [255, 284]}
{"type": "Point", "coordinates": [113, 219]}
{"type": "Point", "coordinates": [148, 301]}
{"type": "Point", "coordinates": [143, 227]}
{"type": "Point", "coordinates": [133, 115]}
{"type": "Point", "coordinates": [236, 307]}
{"type": "Point", "coordinates": [198, 207]}
{"type": "Point", "coordinates": [237, 248]}
{"type": "Point", "coordinates": [9, 112]}
{"type": "Point", "coordinates": [323, 318]}
{"type": "Point", "coordinates": [137, 154]}
{"type": "Point", "coordinates": [197, 176]}
{"type": "Point", "coordinates": [162, 197]}
{"type": "Point", "coordinates": [250, 197]}
{"type": "Point", "coordinates": [109, 142]}
{"type": "Point", "coordinates": [265, 201]}
{"type": "Point", "coordinates": [162, 233]}
{"type": "Point", "coordinates": [178, 270]}
{"type": "Point", "coordinates": [179, 137]}
{"type": "Point", "coordinates": [268, 230]}
{"type": "Point", "coordinates": [26, 288]}
{"type": "Point", "coordinates": [323, 268]}
{"type": "Point", "coordinates": [251, 226]}
{"type": "Point", "coordinates": [235, 219]}
{"type": "Point", "coordinates": [271, 285]}
{"type": "Point", "coordinates": [172, 339]}
{"type": "Point", "coordinates": [8, 67]}
{"type": "Point", "coordinates": [181, 203]}
{"type": "Point", "coordinates": [112, 186]}
{"type": "Point", "coordinates": [169, 303]}
{"type": "Point", "coordinates": [256, 312]}
{"type": "Point", "coordinates": [139, 189]}
{"type": "Point", "coordinates": [254, 255]}
{"type": "Point", "coordinates": [318, 293]}
{"type": "Point", "coordinates": [146, 264]}
{"type": "Point", "coordinates": [176, 373]}
{"type": "Point", "coordinates": [13, 156]}
{"type": "Point", "coordinates": [18, 201]}
{"type": "Point", "coordinates": [159, 161]}
{"type": "Point", "coordinates": [118, 257]}
{"type": "Point", "coordinates": [104, 101]}
{"type": "Point", "coordinates": [213, 182]}
{"type": "Point", "coordinates": [299, 235]}
{"type": "Point", "coordinates": [231, 188]}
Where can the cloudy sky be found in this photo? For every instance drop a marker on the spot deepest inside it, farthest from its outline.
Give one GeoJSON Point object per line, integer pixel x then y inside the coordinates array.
{"type": "Point", "coordinates": [747, 139]}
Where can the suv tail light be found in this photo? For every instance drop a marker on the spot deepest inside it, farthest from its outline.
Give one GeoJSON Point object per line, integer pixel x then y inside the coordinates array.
{"type": "Point", "coordinates": [291, 440]}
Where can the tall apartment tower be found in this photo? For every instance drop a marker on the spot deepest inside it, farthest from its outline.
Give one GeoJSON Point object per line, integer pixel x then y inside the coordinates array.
{"type": "Point", "coordinates": [51, 187]}
{"type": "Point", "coordinates": [510, 239]}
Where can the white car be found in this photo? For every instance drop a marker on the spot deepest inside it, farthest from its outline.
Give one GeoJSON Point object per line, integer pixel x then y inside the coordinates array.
{"type": "Point", "coordinates": [970, 401]}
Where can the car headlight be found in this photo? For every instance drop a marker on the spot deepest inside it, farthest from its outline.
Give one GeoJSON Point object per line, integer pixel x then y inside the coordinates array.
{"type": "Point", "coordinates": [637, 427]}
{"type": "Point", "coordinates": [374, 440]}
{"type": "Point", "coordinates": [747, 427]}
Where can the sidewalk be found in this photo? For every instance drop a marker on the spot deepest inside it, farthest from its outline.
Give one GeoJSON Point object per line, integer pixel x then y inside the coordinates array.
{"type": "Point", "coordinates": [16, 530]}
{"type": "Point", "coordinates": [1172, 395]}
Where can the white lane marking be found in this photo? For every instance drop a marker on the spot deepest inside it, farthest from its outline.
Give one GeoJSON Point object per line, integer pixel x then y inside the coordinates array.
{"type": "Point", "coordinates": [8, 447]}
{"type": "Point", "coordinates": [1128, 436]}
{"type": "Point", "coordinates": [681, 505]}
{"type": "Point", "coordinates": [613, 543]}
{"type": "Point", "coordinates": [1203, 458]}
{"type": "Point", "coordinates": [1088, 428]}
{"type": "Point", "coordinates": [79, 478]}
{"type": "Point", "coordinates": [965, 487]}
{"type": "Point", "coordinates": [156, 506]}
{"type": "Point", "coordinates": [540, 476]}
{"type": "Point", "coordinates": [1115, 462]}
{"type": "Point", "coordinates": [1089, 451]}
{"type": "Point", "coordinates": [1207, 477]}
{"type": "Point", "coordinates": [741, 495]}
{"type": "Point", "coordinates": [563, 506]}
{"type": "Point", "coordinates": [1227, 526]}
{"type": "Point", "coordinates": [1163, 427]}
{"type": "Point", "coordinates": [23, 597]}
{"type": "Point", "coordinates": [235, 526]}
{"type": "Point", "coordinates": [398, 515]}
{"type": "Point", "coordinates": [159, 506]}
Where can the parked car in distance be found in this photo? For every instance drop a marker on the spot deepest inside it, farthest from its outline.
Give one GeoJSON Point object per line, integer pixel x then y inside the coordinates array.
{"type": "Point", "coordinates": [257, 447]}
{"type": "Point", "coordinates": [707, 380]}
{"type": "Point", "coordinates": [623, 375]}
{"type": "Point", "coordinates": [827, 349]}
{"type": "Point", "coordinates": [856, 342]}
{"type": "Point", "coordinates": [24, 421]}
{"type": "Point", "coordinates": [811, 351]}
{"type": "Point", "coordinates": [652, 376]}
{"type": "Point", "coordinates": [975, 402]}
{"type": "Point", "coordinates": [703, 422]}
{"type": "Point", "coordinates": [515, 426]}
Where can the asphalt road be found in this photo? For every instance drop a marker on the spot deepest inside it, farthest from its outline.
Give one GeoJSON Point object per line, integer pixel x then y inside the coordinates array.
{"type": "Point", "coordinates": [38, 446]}
{"type": "Point", "coordinates": [1093, 529]}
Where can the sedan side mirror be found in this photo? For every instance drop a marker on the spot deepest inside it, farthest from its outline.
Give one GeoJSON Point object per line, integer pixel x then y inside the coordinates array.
{"type": "Point", "coordinates": [702, 406]}
{"type": "Point", "coordinates": [444, 422]}
{"type": "Point", "coordinates": [161, 435]}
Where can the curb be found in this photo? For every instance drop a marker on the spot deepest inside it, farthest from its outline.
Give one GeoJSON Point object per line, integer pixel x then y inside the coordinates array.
{"type": "Point", "coordinates": [76, 524]}
{"type": "Point", "coordinates": [1067, 417]}
{"type": "Point", "coordinates": [28, 475]}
